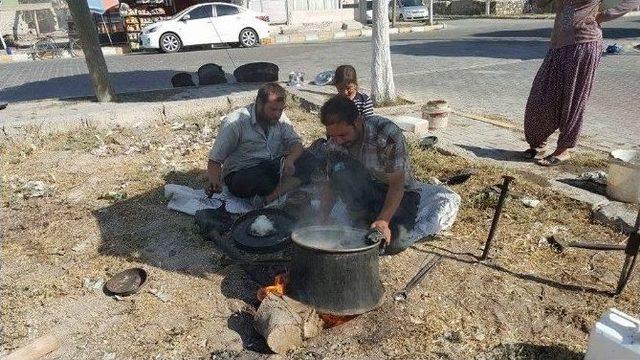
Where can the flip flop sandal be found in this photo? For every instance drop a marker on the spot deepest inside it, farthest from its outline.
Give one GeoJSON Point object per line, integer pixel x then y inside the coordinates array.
{"type": "Point", "coordinates": [550, 161]}
{"type": "Point", "coordinates": [531, 154]}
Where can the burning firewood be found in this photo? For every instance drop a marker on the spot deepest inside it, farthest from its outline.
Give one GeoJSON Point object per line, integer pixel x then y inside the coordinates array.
{"type": "Point", "coordinates": [286, 323]}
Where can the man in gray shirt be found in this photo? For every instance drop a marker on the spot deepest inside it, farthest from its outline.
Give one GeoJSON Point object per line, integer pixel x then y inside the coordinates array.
{"type": "Point", "coordinates": [257, 152]}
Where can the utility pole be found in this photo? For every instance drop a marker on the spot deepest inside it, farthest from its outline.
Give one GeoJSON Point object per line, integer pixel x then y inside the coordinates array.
{"type": "Point", "coordinates": [430, 12]}
{"type": "Point", "coordinates": [91, 47]}
{"type": "Point", "coordinates": [487, 7]}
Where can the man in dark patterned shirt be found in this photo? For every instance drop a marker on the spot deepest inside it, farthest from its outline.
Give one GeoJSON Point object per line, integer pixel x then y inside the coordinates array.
{"type": "Point", "coordinates": [369, 171]}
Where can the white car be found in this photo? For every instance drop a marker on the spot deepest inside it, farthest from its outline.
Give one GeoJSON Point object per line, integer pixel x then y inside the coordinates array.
{"type": "Point", "coordinates": [208, 23]}
{"type": "Point", "coordinates": [410, 10]}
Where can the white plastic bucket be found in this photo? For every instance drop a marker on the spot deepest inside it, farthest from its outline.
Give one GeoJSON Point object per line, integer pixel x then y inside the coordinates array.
{"type": "Point", "coordinates": [624, 176]}
{"type": "Point", "coordinates": [615, 336]}
{"type": "Point", "coordinates": [437, 113]}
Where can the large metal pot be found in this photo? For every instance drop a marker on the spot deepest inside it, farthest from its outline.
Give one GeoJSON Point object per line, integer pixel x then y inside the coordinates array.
{"type": "Point", "coordinates": [335, 270]}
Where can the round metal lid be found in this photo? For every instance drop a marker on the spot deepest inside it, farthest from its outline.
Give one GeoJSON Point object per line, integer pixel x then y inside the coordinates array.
{"type": "Point", "coordinates": [126, 282]}
{"type": "Point", "coordinates": [283, 224]}
{"type": "Point", "coordinates": [333, 238]}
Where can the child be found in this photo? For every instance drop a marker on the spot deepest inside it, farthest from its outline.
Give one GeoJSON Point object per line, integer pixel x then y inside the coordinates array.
{"type": "Point", "coordinates": [346, 83]}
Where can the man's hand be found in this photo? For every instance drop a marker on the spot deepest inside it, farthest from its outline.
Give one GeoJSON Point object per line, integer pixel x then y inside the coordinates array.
{"type": "Point", "coordinates": [383, 227]}
{"type": "Point", "coordinates": [213, 187]}
{"type": "Point", "coordinates": [289, 167]}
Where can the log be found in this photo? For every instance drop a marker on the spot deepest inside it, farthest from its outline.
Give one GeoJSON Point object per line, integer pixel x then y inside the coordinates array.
{"type": "Point", "coordinates": [285, 323]}
{"type": "Point", "coordinates": [37, 349]}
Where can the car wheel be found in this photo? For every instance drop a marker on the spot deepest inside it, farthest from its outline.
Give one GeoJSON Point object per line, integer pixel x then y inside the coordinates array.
{"type": "Point", "coordinates": [401, 18]}
{"type": "Point", "coordinates": [248, 38]}
{"type": "Point", "coordinates": [170, 43]}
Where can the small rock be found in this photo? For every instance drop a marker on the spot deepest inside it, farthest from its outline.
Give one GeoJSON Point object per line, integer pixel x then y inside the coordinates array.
{"type": "Point", "coordinates": [109, 356]}
{"type": "Point", "coordinates": [543, 242]}
{"type": "Point", "coordinates": [434, 181]}
{"type": "Point", "coordinates": [164, 297]}
{"type": "Point", "coordinates": [452, 336]}
{"type": "Point", "coordinates": [599, 177]}
{"type": "Point", "coordinates": [480, 337]}
{"type": "Point", "coordinates": [98, 285]}
{"type": "Point", "coordinates": [177, 126]}
{"type": "Point", "coordinates": [530, 202]}
{"type": "Point", "coordinates": [415, 320]}
{"type": "Point", "coordinates": [119, 298]}
{"type": "Point", "coordinates": [113, 196]}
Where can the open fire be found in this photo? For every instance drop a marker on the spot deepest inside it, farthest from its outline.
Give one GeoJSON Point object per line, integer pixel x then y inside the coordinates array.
{"type": "Point", "coordinates": [278, 288]}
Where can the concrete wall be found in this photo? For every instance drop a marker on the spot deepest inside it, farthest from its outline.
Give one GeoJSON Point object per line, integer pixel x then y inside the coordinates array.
{"type": "Point", "coordinates": [477, 7]}
{"type": "Point", "coordinates": [317, 16]}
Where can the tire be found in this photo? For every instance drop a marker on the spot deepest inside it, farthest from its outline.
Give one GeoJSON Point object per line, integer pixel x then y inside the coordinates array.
{"type": "Point", "coordinates": [400, 18]}
{"type": "Point", "coordinates": [248, 38]}
{"type": "Point", "coordinates": [170, 43]}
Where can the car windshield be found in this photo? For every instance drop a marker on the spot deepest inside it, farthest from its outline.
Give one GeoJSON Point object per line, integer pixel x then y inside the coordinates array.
{"type": "Point", "coordinates": [412, 3]}
{"type": "Point", "coordinates": [179, 15]}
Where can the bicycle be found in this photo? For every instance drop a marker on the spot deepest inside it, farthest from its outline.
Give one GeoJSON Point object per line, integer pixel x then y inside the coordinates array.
{"type": "Point", "coordinates": [47, 48]}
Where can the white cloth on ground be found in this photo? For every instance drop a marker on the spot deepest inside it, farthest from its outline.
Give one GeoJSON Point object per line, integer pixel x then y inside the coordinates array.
{"type": "Point", "coordinates": [187, 200]}
{"type": "Point", "coordinates": [437, 210]}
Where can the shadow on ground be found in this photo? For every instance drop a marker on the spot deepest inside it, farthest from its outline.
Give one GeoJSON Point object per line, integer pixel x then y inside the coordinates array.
{"type": "Point", "coordinates": [496, 154]}
{"type": "Point", "coordinates": [145, 84]}
{"type": "Point", "coordinates": [525, 351]}
{"type": "Point", "coordinates": [494, 49]}
{"type": "Point", "coordinates": [469, 258]}
{"type": "Point", "coordinates": [143, 230]}
{"type": "Point", "coordinates": [608, 33]}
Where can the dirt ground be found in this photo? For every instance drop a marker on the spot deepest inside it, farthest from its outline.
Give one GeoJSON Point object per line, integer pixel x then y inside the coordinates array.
{"type": "Point", "coordinates": [79, 207]}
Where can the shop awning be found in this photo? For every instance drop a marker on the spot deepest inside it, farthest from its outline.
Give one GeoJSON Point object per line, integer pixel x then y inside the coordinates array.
{"type": "Point", "coordinates": [101, 6]}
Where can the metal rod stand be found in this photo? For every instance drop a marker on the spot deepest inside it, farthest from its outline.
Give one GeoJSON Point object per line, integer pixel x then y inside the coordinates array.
{"type": "Point", "coordinates": [631, 251]}
{"type": "Point", "coordinates": [496, 216]}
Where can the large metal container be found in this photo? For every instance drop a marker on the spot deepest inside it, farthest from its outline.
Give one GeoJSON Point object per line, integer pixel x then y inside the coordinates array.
{"type": "Point", "coordinates": [335, 270]}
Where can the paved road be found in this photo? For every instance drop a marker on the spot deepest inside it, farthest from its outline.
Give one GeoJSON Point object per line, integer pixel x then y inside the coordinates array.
{"type": "Point", "coordinates": [485, 66]}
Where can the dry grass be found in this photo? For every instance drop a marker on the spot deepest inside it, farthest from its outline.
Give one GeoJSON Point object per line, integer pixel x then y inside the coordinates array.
{"type": "Point", "coordinates": [527, 303]}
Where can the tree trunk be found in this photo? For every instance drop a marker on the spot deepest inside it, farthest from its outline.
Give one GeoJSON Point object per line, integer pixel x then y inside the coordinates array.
{"type": "Point", "coordinates": [383, 89]}
{"type": "Point", "coordinates": [286, 323]}
{"type": "Point", "coordinates": [91, 48]}
{"type": "Point", "coordinates": [394, 13]}
{"type": "Point", "coordinates": [362, 11]}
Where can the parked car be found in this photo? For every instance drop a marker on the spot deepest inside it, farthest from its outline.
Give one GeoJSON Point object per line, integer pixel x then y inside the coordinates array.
{"type": "Point", "coordinates": [410, 10]}
{"type": "Point", "coordinates": [208, 23]}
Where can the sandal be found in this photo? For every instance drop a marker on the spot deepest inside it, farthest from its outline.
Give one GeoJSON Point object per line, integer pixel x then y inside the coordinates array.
{"type": "Point", "coordinates": [550, 160]}
{"type": "Point", "coordinates": [532, 153]}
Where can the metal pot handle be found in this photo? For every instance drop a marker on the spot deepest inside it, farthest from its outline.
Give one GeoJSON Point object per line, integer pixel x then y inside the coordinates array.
{"type": "Point", "coordinates": [374, 236]}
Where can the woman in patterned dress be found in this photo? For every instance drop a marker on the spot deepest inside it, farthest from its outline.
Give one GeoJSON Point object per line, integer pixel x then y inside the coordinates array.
{"type": "Point", "coordinates": [562, 86]}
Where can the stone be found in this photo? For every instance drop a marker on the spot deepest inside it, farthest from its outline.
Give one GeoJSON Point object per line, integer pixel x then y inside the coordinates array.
{"type": "Point", "coordinates": [182, 80]}
{"type": "Point", "coordinates": [211, 74]}
{"type": "Point", "coordinates": [530, 202]}
{"type": "Point", "coordinates": [616, 215]}
{"type": "Point", "coordinates": [257, 72]}
{"type": "Point", "coordinates": [411, 124]}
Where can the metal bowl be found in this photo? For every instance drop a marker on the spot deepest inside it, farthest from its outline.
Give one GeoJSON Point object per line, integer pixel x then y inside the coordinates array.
{"type": "Point", "coordinates": [126, 282]}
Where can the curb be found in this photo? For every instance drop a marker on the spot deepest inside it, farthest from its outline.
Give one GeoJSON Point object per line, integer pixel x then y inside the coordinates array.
{"type": "Point", "coordinates": [318, 36]}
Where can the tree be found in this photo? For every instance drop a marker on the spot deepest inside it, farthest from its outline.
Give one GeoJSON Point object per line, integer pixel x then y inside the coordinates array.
{"type": "Point", "coordinates": [91, 47]}
{"type": "Point", "coordinates": [383, 89]}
